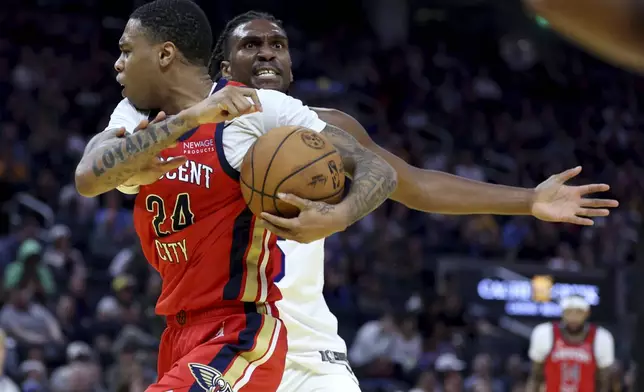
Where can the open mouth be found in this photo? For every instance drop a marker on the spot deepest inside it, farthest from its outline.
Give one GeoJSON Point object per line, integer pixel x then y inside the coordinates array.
{"type": "Point", "coordinates": [266, 73]}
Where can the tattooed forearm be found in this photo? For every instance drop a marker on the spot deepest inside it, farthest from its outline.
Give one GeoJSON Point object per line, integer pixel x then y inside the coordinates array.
{"type": "Point", "coordinates": [603, 380]}
{"type": "Point", "coordinates": [373, 179]}
{"type": "Point", "coordinates": [536, 378]}
{"type": "Point", "coordinates": [110, 161]}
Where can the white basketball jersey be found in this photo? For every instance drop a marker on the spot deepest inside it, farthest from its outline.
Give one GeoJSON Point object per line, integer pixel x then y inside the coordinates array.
{"type": "Point", "coordinates": [310, 325]}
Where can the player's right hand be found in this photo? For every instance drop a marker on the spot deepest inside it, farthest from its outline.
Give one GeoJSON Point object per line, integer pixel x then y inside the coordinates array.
{"type": "Point", "coordinates": [226, 104]}
{"type": "Point", "coordinates": [156, 168]}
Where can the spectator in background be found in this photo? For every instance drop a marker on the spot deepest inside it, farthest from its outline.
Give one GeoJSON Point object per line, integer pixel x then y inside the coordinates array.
{"type": "Point", "coordinates": [426, 383]}
{"type": "Point", "coordinates": [482, 375]}
{"type": "Point", "coordinates": [60, 256]}
{"type": "Point", "coordinates": [29, 229]}
{"type": "Point", "coordinates": [28, 270]}
{"type": "Point", "coordinates": [112, 231]}
{"type": "Point", "coordinates": [70, 324]}
{"type": "Point", "coordinates": [449, 367]}
{"type": "Point", "coordinates": [408, 345]}
{"type": "Point", "coordinates": [564, 260]}
{"type": "Point", "coordinates": [34, 375]}
{"type": "Point", "coordinates": [371, 352]}
{"type": "Point", "coordinates": [6, 384]}
{"type": "Point", "coordinates": [514, 373]}
{"type": "Point", "coordinates": [30, 323]}
{"type": "Point", "coordinates": [121, 373]}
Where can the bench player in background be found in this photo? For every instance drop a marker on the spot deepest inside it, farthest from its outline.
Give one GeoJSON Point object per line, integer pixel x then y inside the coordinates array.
{"type": "Point", "coordinates": [217, 261]}
{"type": "Point", "coordinates": [571, 355]}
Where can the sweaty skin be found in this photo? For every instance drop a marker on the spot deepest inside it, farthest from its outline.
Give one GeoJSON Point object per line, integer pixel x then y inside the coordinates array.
{"type": "Point", "coordinates": [611, 29]}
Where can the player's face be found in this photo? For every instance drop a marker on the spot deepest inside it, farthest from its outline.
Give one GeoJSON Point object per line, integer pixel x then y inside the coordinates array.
{"type": "Point", "coordinates": [574, 319]}
{"type": "Point", "coordinates": [138, 66]}
{"type": "Point", "coordinates": [259, 56]}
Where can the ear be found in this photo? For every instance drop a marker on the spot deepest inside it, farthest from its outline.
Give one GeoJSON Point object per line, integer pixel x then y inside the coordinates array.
{"type": "Point", "coordinates": [167, 53]}
{"type": "Point", "coordinates": [224, 67]}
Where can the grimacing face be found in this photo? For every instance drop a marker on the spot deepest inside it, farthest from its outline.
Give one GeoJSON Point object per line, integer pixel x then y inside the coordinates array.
{"type": "Point", "coordinates": [140, 66]}
{"type": "Point", "coordinates": [259, 56]}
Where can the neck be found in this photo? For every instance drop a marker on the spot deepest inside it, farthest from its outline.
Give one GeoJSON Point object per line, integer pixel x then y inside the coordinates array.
{"type": "Point", "coordinates": [190, 88]}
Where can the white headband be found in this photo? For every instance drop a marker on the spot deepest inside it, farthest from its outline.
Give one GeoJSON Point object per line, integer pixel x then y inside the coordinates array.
{"type": "Point", "coordinates": [574, 303]}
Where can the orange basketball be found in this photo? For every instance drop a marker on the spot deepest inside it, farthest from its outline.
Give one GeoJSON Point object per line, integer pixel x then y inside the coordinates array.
{"type": "Point", "coordinates": [292, 160]}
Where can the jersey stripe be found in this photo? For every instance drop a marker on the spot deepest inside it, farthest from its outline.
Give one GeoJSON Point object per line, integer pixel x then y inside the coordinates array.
{"type": "Point", "coordinates": [263, 351]}
{"type": "Point", "coordinates": [256, 253]}
{"type": "Point", "coordinates": [249, 257]}
{"type": "Point", "coordinates": [240, 242]}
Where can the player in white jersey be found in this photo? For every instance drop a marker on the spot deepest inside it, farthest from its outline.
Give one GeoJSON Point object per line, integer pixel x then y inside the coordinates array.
{"type": "Point", "coordinates": [253, 49]}
{"type": "Point", "coordinates": [317, 355]}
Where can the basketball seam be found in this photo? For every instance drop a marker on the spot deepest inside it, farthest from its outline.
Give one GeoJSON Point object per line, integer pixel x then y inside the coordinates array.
{"type": "Point", "coordinates": [270, 163]}
{"type": "Point", "coordinates": [277, 187]}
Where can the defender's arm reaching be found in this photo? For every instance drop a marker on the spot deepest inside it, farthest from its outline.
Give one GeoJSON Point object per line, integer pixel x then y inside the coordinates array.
{"type": "Point", "coordinates": [439, 192]}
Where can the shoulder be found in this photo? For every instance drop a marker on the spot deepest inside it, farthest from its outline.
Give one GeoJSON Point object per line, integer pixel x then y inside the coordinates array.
{"type": "Point", "coordinates": [126, 115]}
{"type": "Point", "coordinates": [603, 336]}
{"type": "Point", "coordinates": [276, 102]}
{"type": "Point", "coordinates": [604, 347]}
{"type": "Point", "coordinates": [543, 330]}
{"type": "Point", "coordinates": [541, 341]}
{"type": "Point", "coordinates": [125, 107]}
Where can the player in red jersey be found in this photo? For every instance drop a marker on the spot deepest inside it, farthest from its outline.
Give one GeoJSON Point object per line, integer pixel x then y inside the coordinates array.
{"type": "Point", "coordinates": [218, 262]}
{"type": "Point", "coordinates": [571, 355]}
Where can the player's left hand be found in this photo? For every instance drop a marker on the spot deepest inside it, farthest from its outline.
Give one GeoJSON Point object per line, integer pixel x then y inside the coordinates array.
{"type": "Point", "coordinates": [554, 201]}
{"type": "Point", "coordinates": [157, 167]}
{"type": "Point", "coordinates": [316, 220]}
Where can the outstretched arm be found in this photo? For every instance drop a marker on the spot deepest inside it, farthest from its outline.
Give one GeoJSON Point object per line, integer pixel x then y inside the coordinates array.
{"type": "Point", "coordinates": [111, 158]}
{"type": "Point", "coordinates": [612, 29]}
{"type": "Point", "coordinates": [439, 192]}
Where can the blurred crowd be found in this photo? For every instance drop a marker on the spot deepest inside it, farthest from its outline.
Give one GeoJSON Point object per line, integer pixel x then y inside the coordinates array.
{"type": "Point", "coordinates": [78, 297]}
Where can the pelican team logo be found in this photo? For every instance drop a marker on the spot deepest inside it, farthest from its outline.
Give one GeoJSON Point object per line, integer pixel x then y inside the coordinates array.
{"type": "Point", "coordinates": [313, 140]}
{"type": "Point", "coordinates": [209, 379]}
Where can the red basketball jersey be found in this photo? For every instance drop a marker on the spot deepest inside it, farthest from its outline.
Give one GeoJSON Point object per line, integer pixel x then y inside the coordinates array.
{"type": "Point", "coordinates": [196, 231]}
{"type": "Point", "coordinates": [571, 367]}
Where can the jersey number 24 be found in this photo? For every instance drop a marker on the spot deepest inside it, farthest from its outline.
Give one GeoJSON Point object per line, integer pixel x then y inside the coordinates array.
{"type": "Point", "coordinates": [181, 217]}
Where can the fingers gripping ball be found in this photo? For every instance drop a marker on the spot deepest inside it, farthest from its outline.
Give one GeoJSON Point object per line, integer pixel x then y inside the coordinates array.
{"type": "Point", "coordinates": [291, 160]}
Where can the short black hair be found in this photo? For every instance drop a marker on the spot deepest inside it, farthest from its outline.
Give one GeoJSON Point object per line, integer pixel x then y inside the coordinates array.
{"type": "Point", "coordinates": [181, 22]}
{"type": "Point", "coordinates": [222, 48]}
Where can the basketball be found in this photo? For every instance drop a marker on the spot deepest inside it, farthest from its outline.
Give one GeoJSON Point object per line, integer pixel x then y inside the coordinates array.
{"type": "Point", "coordinates": [292, 160]}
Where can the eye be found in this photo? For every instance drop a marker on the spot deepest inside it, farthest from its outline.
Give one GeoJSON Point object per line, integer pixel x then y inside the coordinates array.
{"type": "Point", "coordinates": [278, 45]}
{"type": "Point", "coordinates": [249, 45]}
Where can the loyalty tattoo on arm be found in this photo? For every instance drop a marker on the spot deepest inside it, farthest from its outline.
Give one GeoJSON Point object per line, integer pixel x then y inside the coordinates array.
{"type": "Point", "coordinates": [110, 160]}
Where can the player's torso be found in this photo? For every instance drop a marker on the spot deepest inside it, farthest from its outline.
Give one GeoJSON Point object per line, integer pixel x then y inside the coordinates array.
{"type": "Point", "coordinates": [571, 367]}
{"type": "Point", "coordinates": [196, 231]}
{"type": "Point", "coordinates": [311, 325]}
